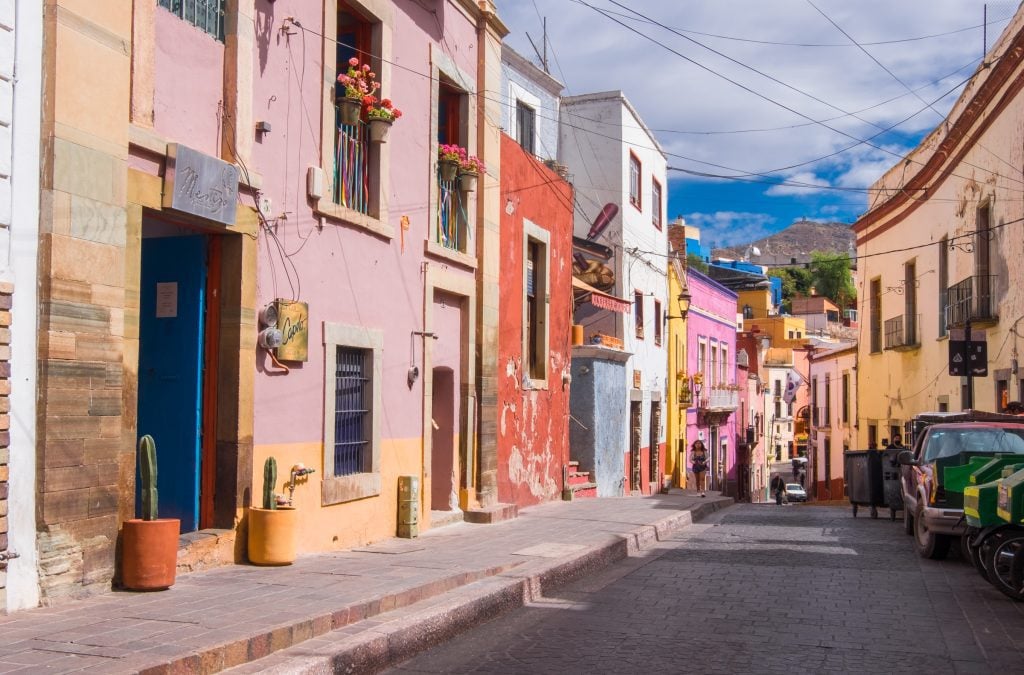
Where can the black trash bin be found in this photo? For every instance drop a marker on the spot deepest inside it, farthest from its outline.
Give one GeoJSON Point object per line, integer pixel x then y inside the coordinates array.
{"type": "Point", "coordinates": [891, 488]}
{"type": "Point", "coordinates": [862, 470]}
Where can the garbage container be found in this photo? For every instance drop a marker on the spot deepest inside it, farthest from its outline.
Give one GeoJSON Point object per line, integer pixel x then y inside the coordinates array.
{"type": "Point", "coordinates": [891, 487]}
{"type": "Point", "coordinates": [862, 471]}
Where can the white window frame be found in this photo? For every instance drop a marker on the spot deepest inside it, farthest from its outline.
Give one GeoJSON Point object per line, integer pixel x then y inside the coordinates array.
{"type": "Point", "coordinates": [540, 235]}
{"type": "Point", "coordinates": [339, 489]}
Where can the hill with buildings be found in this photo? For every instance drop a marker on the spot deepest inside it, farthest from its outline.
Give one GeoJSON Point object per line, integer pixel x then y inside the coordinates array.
{"type": "Point", "coordinates": [795, 244]}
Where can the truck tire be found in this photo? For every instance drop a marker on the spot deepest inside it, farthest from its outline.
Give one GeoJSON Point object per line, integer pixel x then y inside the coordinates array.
{"type": "Point", "coordinates": [1000, 559]}
{"type": "Point", "coordinates": [927, 543]}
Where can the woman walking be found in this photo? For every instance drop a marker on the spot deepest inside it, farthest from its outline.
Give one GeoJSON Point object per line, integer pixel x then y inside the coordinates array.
{"type": "Point", "coordinates": [699, 465]}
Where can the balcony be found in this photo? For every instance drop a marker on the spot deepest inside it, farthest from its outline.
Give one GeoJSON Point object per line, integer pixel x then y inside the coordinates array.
{"type": "Point", "coordinates": [901, 332]}
{"type": "Point", "coordinates": [972, 299]}
{"type": "Point", "coordinates": [452, 217]}
{"type": "Point", "coordinates": [719, 401]}
{"type": "Point", "coordinates": [352, 166]}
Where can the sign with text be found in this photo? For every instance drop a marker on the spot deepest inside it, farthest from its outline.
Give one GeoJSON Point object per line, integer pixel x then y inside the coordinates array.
{"type": "Point", "coordinates": [293, 322]}
{"type": "Point", "coordinates": [200, 185]}
{"type": "Point", "coordinates": [968, 357]}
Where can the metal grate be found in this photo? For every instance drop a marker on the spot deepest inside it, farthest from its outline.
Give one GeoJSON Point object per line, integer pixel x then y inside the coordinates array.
{"type": "Point", "coordinates": [207, 15]}
{"type": "Point", "coordinates": [352, 166]}
{"type": "Point", "coordinates": [351, 416]}
{"type": "Point", "coordinates": [451, 215]}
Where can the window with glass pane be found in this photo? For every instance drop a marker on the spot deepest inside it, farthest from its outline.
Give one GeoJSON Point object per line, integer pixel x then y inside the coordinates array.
{"type": "Point", "coordinates": [207, 15]}
{"type": "Point", "coordinates": [526, 126]}
{"type": "Point", "coordinates": [356, 160]}
{"type": "Point", "coordinates": [638, 313]}
{"type": "Point", "coordinates": [634, 180]}
{"type": "Point", "coordinates": [351, 411]}
{"type": "Point", "coordinates": [656, 203]}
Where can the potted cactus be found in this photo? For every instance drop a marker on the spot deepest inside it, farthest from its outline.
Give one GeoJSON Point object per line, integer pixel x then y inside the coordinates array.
{"type": "Point", "coordinates": [149, 545]}
{"type": "Point", "coordinates": [271, 528]}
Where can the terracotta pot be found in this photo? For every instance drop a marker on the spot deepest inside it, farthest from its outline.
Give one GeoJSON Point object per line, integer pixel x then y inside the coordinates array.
{"type": "Point", "coordinates": [379, 130]}
{"type": "Point", "coordinates": [272, 535]}
{"type": "Point", "coordinates": [467, 182]}
{"type": "Point", "coordinates": [449, 169]}
{"type": "Point", "coordinates": [350, 110]}
{"type": "Point", "coordinates": [149, 553]}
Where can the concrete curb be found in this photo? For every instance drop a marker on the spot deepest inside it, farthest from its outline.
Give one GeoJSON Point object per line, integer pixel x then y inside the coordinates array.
{"type": "Point", "coordinates": [373, 646]}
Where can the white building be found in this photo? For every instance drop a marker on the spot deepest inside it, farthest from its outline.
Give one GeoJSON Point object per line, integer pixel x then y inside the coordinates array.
{"type": "Point", "coordinates": [779, 441]}
{"type": "Point", "coordinates": [21, 50]}
{"type": "Point", "coordinates": [619, 174]}
{"type": "Point", "coordinates": [833, 377]}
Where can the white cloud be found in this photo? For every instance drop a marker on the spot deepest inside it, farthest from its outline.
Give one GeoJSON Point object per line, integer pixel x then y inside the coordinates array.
{"type": "Point", "coordinates": [799, 184]}
{"type": "Point", "coordinates": [673, 94]}
{"type": "Point", "coordinates": [724, 228]}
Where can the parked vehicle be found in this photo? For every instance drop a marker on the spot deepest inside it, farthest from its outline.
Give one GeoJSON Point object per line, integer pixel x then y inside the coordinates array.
{"type": "Point", "coordinates": [795, 492]}
{"type": "Point", "coordinates": [934, 471]}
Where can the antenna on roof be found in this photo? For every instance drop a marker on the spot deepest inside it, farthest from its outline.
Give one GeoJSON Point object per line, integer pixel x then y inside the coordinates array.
{"type": "Point", "coordinates": [544, 43]}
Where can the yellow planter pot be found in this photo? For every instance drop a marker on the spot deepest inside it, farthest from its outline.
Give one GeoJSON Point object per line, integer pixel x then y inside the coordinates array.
{"type": "Point", "coordinates": [272, 535]}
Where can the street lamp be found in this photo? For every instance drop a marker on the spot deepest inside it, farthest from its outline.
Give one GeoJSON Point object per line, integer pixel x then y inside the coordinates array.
{"type": "Point", "coordinates": [684, 302]}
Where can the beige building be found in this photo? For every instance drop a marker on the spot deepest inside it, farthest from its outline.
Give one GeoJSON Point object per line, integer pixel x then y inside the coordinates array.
{"type": "Point", "coordinates": [936, 255]}
{"type": "Point", "coordinates": [833, 391]}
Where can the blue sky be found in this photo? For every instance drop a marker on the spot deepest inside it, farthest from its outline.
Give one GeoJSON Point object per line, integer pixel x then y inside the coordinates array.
{"type": "Point", "coordinates": [817, 97]}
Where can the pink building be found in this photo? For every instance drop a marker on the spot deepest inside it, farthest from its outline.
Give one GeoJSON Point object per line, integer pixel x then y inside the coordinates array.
{"type": "Point", "coordinates": [711, 353]}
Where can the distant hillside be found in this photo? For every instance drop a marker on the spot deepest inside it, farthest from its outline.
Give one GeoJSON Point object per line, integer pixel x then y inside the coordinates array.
{"type": "Point", "coordinates": [796, 242]}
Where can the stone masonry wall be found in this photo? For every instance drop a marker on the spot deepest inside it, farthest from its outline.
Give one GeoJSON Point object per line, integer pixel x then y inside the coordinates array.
{"type": "Point", "coordinates": [6, 290]}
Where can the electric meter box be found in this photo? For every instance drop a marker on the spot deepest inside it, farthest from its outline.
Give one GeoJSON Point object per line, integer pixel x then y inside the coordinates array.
{"type": "Point", "coordinates": [409, 506]}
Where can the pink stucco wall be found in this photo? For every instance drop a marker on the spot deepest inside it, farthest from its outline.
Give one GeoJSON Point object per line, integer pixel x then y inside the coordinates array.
{"type": "Point", "coordinates": [189, 68]}
{"type": "Point", "coordinates": [345, 274]}
{"type": "Point", "coordinates": [712, 317]}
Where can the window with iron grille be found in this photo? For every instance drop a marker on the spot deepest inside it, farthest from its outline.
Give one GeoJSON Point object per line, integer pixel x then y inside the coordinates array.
{"type": "Point", "coordinates": [943, 283]}
{"type": "Point", "coordinates": [846, 398]}
{"type": "Point", "coordinates": [876, 315]}
{"type": "Point", "coordinates": [206, 15]}
{"type": "Point", "coordinates": [657, 322]}
{"type": "Point", "coordinates": [526, 127]}
{"type": "Point", "coordinates": [352, 404]}
{"type": "Point", "coordinates": [351, 413]}
{"type": "Point", "coordinates": [638, 313]}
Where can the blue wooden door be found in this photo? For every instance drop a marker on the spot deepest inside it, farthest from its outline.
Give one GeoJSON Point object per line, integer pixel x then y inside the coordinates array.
{"type": "Point", "coordinates": [172, 308]}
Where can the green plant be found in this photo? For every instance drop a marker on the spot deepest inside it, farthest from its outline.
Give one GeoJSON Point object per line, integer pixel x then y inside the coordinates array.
{"type": "Point", "coordinates": [269, 481]}
{"type": "Point", "coordinates": [359, 81]}
{"type": "Point", "coordinates": [383, 110]}
{"type": "Point", "coordinates": [147, 473]}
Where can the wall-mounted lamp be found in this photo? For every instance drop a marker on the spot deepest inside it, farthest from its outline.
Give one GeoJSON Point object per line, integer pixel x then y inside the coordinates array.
{"type": "Point", "coordinates": [684, 302]}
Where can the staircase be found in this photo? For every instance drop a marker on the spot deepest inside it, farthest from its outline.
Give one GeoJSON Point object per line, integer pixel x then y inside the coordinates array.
{"type": "Point", "coordinates": [578, 484]}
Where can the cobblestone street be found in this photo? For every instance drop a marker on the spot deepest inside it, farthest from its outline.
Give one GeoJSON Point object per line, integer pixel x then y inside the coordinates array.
{"type": "Point", "coordinates": [764, 589]}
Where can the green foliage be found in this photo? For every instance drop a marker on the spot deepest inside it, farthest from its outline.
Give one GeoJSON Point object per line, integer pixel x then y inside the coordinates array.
{"type": "Point", "coordinates": [795, 281]}
{"type": "Point", "coordinates": [694, 262]}
{"type": "Point", "coordinates": [832, 277]}
{"type": "Point", "coordinates": [269, 481]}
{"type": "Point", "coordinates": [147, 474]}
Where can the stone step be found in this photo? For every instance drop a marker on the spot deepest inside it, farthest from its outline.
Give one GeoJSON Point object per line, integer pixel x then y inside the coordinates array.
{"type": "Point", "coordinates": [492, 514]}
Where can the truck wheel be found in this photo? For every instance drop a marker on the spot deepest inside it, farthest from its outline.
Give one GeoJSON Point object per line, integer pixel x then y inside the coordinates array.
{"type": "Point", "coordinates": [1000, 560]}
{"type": "Point", "coordinates": [928, 544]}
{"type": "Point", "coordinates": [972, 552]}
{"type": "Point", "coordinates": [908, 521]}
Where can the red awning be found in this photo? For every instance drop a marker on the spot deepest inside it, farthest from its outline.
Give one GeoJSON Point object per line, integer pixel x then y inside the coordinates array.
{"type": "Point", "coordinates": [599, 299]}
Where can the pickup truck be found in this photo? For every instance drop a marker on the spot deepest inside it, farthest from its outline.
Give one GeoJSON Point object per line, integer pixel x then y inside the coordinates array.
{"type": "Point", "coordinates": [933, 514]}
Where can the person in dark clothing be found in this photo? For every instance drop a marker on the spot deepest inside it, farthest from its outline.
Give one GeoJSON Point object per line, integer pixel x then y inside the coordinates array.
{"type": "Point", "coordinates": [778, 488]}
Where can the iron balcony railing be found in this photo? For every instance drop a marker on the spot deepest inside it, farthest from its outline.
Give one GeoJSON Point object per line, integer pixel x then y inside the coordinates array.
{"type": "Point", "coordinates": [901, 332]}
{"type": "Point", "coordinates": [451, 215]}
{"type": "Point", "coordinates": [352, 166]}
{"type": "Point", "coordinates": [972, 299]}
{"type": "Point", "coordinates": [719, 400]}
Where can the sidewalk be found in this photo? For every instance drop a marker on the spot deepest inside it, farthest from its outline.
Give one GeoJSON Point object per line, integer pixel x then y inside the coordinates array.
{"type": "Point", "coordinates": [357, 610]}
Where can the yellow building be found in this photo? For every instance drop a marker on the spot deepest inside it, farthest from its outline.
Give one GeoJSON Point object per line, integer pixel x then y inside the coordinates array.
{"type": "Point", "coordinates": [939, 252]}
{"type": "Point", "coordinates": [785, 331]}
{"type": "Point", "coordinates": [678, 379]}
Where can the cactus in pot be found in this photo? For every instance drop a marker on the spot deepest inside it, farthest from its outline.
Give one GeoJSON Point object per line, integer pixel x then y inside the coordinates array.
{"type": "Point", "coordinates": [272, 529]}
{"type": "Point", "coordinates": [147, 473]}
{"type": "Point", "coordinates": [149, 544]}
{"type": "Point", "coordinates": [269, 481]}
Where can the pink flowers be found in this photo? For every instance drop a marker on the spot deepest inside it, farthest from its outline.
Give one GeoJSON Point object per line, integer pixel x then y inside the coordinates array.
{"type": "Point", "coordinates": [456, 153]}
{"type": "Point", "coordinates": [359, 80]}
{"type": "Point", "coordinates": [385, 110]}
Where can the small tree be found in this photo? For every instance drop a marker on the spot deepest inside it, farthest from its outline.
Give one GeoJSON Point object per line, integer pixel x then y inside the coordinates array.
{"type": "Point", "coordinates": [795, 281]}
{"type": "Point", "coordinates": [694, 262]}
{"type": "Point", "coordinates": [832, 277]}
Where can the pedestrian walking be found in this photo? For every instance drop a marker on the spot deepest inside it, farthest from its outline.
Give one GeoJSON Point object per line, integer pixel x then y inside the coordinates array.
{"type": "Point", "coordinates": [778, 488]}
{"type": "Point", "coordinates": [699, 465]}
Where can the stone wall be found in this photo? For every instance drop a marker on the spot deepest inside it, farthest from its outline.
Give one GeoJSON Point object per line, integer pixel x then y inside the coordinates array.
{"type": "Point", "coordinates": [6, 290]}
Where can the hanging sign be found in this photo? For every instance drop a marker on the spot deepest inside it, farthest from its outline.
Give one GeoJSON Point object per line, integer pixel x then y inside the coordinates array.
{"type": "Point", "coordinates": [200, 185]}
{"type": "Point", "coordinates": [293, 322]}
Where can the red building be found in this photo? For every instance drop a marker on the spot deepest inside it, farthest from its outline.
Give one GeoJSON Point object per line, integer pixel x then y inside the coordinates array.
{"type": "Point", "coordinates": [535, 312]}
